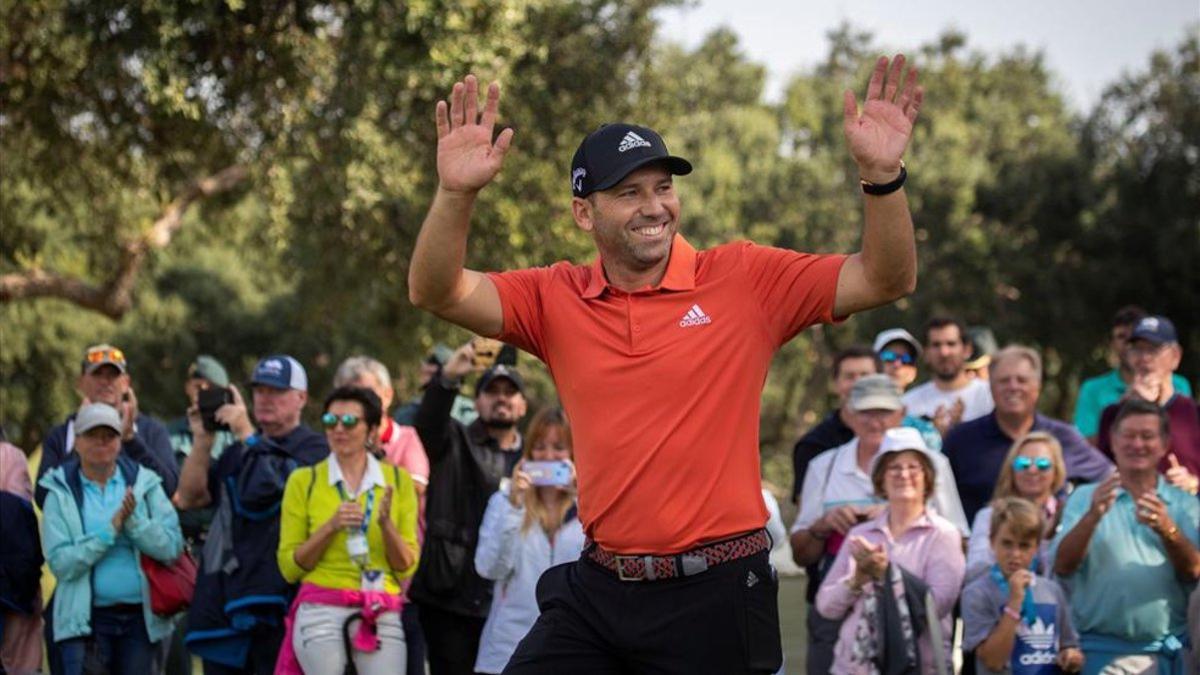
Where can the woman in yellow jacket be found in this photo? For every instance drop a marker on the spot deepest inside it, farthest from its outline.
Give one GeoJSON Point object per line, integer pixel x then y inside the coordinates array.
{"type": "Point", "coordinates": [348, 533]}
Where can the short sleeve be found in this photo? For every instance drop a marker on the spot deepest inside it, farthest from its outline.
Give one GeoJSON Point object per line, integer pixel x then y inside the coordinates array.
{"type": "Point", "coordinates": [979, 615]}
{"type": "Point", "coordinates": [521, 300]}
{"type": "Point", "coordinates": [1087, 409]}
{"type": "Point", "coordinates": [1067, 635]}
{"type": "Point", "coordinates": [1077, 506]}
{"type": "Point", "coordinates": [795, 290]}
{"type": "Point", "coordinates": [812, 495]}
{"type": "Point", "coordinates": [1185, 511]}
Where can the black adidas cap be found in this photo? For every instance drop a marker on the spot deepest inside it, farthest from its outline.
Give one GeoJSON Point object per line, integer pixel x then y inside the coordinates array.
{"type": "Point", "coordinates": [614, 151]}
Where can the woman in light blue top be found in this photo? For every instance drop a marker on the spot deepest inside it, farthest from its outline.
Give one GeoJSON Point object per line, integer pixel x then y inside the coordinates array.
{"type": "Point", "coordinates": [101, 514]}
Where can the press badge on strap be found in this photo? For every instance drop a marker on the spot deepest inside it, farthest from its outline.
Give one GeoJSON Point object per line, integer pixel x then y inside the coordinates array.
{"type": "Point", "coordinates": [372, 580]}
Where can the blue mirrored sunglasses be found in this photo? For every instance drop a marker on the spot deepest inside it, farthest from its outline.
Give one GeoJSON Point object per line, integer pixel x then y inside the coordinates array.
{"type": "Point", "coordinates": [329, 420]}
{"type": "Point", "coordinates": [887, 356]}
{"type": "Point", "coordinates": [1023, 463]}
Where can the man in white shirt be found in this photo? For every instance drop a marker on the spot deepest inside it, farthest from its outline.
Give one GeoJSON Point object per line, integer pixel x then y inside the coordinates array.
{"type": "Point", "coordinates": [951, 395]}
{"type": "Point", "coordinates": [838, 494]}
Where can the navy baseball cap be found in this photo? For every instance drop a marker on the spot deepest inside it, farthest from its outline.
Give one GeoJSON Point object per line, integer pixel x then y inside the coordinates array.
{"type": "Point", "coordinates": [612, 152]}
{"type": "Point", "coordinates": [500, 371]}
{"type": "Point", "coordinates": [1156, 329]}
{"type": "Point", "coordinates": [280, 371]}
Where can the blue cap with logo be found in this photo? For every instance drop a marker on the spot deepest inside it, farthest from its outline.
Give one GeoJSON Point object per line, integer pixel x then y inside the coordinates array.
{"type": "Point", "coordinates": [281, 372]}
{"type": "Point", "coordinates": [1156, 329]}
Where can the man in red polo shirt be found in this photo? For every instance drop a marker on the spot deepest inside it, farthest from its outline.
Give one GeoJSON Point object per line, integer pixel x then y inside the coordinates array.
{"type": "Point", "coordinates": [659, 353]}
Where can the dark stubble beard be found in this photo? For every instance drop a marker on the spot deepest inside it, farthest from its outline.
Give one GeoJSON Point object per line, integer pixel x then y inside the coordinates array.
{"type": "Point", "coordinates": [499, 425]}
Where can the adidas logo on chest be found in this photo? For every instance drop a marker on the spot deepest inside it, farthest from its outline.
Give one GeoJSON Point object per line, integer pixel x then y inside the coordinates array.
{"type": "Point", "coordinates": [695, 317]}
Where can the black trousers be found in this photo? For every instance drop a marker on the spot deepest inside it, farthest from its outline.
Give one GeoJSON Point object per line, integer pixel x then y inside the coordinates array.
{"type": "Point", "coordinates": [451, 640]}
{"type": "Point", "coordinates": [724, 620]}
{"type": "Point", "coordinates": [414, 640]}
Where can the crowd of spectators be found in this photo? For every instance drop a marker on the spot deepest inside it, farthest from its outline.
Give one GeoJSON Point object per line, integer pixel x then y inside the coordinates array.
{"type": "Point", "coordinates": [382, 543]}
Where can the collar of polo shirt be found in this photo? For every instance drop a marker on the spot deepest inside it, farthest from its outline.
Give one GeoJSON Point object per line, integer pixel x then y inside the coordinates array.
{"type": "Point", "coordinates": [680, 274]}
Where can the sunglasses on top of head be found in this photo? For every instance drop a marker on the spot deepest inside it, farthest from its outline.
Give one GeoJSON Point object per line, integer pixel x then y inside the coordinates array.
{"type": "Point", "coordinates": [887, 356]}
{"type": "Point", "coordinates": [106, 354]}
{"type": "Point", "coordinates": [1024, 463]}
{"type": "Point", "coordinates": [330, 421]}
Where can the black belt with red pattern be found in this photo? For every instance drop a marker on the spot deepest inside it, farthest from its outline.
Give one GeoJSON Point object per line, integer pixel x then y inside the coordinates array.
{"type": "Point", "coordinates": [695, 561]}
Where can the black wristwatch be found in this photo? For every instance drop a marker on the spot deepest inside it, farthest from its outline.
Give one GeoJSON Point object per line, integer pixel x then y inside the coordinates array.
{"type": "Point", "coordinates": [879, 189]}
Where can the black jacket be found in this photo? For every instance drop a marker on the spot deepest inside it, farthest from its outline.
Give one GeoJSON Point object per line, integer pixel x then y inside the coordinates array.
{"type": "Point", "coordinates": [465, 468]}
{"type": "Point", "coordinates": [20, 556]}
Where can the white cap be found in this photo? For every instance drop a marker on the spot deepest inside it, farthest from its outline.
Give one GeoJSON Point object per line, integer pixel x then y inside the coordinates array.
{"type": "Point", "coordinates": [900, 439]}
{"type": "Point", "coordinates": [893, 335]}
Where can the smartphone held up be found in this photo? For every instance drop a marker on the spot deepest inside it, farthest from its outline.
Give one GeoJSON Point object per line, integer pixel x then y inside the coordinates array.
{"type": "Point", "coordinates": [548, 474]}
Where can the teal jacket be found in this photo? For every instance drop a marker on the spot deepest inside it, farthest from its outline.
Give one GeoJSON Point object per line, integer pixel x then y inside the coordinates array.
{"type": "Point", "coordinates": [153, 527]}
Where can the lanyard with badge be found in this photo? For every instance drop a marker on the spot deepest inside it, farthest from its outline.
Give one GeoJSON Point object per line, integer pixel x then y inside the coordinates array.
{"type": "Point", "coordinates": [358, 547]}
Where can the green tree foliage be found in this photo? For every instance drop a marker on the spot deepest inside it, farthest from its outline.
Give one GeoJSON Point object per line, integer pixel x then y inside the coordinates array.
{"type": "Point", "coordinates": [312, 123]}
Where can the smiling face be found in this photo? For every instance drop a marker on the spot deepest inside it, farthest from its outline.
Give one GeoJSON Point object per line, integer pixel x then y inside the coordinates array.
{"type": "Point", "coordinates": [1138, 444]}
{"type": "Point", "coordinates": [1015, 387]}
{"type": "Point", "coordinates": [904, 478]}
{"type": "Point", "coordinates": [1033, 482]}
{"type": "Point", "coordinates": [894, 366]}
{"type": "Point", "coordinates": [870, 425]}
{"type": "Point", "coordinates": [343, 440]}
{"type": "Point", "coordinates": [634, 222]}
{"type": "Point", "coordinates": [551, 446]}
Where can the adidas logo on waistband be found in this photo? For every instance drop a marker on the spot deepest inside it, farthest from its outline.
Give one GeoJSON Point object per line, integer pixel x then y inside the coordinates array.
{"type": "Point", "coordinates": [694, 317]}
{"type": "Point", "coordinates": [631, 141]}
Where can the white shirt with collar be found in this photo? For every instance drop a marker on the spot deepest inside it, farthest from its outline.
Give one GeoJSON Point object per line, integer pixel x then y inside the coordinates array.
{"type": "Point", "coordinates": [834, 479]}
{"type": "Point", "coordinates": [372, 477]}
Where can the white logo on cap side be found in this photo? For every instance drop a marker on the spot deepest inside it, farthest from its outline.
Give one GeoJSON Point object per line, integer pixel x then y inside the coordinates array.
{"type": "Point", "coordinates": [631, 141]}
{"type": "Point", "coordinates": [577, 178]}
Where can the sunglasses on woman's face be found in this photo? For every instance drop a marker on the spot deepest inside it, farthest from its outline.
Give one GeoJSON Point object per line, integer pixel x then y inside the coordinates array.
{"type": "Point", "coordinates": [1023, 463]}
{"type": "Point", "coordinates": [887, 356]}
{"type": "Point", "coordinates": [329, 420]}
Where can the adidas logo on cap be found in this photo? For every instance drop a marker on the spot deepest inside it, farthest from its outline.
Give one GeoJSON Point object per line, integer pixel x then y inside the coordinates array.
{"type": "Point", "coordinates": [631, 141]}
{"type": "Point", "coordinates": [695, 317]}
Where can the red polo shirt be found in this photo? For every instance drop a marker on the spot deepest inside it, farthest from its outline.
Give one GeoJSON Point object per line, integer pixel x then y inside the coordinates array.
{"type": "Point", "coordinates": [663, 385]}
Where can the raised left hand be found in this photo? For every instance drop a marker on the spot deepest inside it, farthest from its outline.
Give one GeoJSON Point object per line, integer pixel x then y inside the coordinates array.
{"type": "Point", "coordinates": [129, 413]}
{"type": "Point", "coordinates": [1152, 512]}
{"type": "Point", "coordinates": [385, 506]}
{"type": "Point", "coordinates": [879, 134]}
{"type": "Point", "coordinates": [1179, 476]}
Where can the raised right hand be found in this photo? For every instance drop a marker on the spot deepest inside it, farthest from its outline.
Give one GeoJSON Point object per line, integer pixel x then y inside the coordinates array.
{"type": "Point", "coordinates": [521, 483]}
{"type": "Point", "coordinates": [1105, 494]}
{"type": "Point", "coordinates": [467, 159]}
{"type": "Point", "coordinates": [122, 514]}
{"type": "Point", "coordinates": [348, 515]}
{"type": "Point", "coordinates": [839, 519]}
{"type": "Point", "coordinates": [235, 415]}
{"type": "Point", "coordinates": [460, 363]}
{"type": "Point", "coordinates": [1017, 583]}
